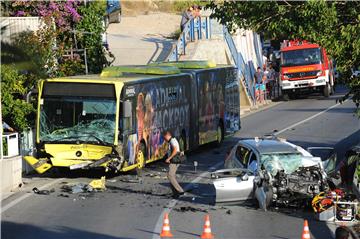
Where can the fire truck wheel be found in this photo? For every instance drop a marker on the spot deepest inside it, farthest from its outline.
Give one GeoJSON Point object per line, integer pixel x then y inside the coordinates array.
{"type": "Point", "coordinates": [327, 90]}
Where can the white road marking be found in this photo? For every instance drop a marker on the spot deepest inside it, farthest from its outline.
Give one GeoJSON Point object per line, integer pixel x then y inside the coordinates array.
{"type": "Point", "coordinates": [23, 197]}
{"type": "Point", "coordinates": [173, 202]}
{"type": "Point", "coordinates": [307, 119]}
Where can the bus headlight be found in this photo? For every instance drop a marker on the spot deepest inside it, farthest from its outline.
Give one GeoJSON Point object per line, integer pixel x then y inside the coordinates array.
{"type": "Point", "coordinates": [319, 73]}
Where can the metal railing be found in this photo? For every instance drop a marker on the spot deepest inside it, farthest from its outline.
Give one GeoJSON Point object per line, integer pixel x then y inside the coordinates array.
{"type": "Point", "coordinates": [195, 29]}
{"type": "Point", "coordinates": [243, 68]}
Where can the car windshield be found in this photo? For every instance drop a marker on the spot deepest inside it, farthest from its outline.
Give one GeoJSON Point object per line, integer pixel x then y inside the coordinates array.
{"type": "Point", "coordinates": [301, 57]}
{"type": "Point", "coordinates": [288, 162]}
{"type": "Point", "coordinates": [78, 119]}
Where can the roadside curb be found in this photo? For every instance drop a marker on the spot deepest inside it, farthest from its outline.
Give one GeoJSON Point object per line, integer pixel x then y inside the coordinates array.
{"type": "Point", "coordinates": [261, 108]}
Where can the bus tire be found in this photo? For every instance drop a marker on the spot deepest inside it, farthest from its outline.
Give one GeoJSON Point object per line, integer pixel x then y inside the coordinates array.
{"type": "Point", "coordinates": [327, 90]}
{"type": "Point", "coordinates": [141, 156]}
{"type": "Point", "coordinates": [219, 134]}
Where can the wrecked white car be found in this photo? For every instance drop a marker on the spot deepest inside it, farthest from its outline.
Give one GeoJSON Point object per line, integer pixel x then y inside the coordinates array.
{"type": "Point", "coordinates": [273, 171]}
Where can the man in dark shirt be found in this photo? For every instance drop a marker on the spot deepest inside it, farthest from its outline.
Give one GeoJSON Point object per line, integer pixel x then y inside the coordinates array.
{"type": "Point", "coordinates": [259, 87]}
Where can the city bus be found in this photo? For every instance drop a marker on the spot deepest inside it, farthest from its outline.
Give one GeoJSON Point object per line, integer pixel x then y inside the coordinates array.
{"type": "Point", "coordinates": [116, 119]}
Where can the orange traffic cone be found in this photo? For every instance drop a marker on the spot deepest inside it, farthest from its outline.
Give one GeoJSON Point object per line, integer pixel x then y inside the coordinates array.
{"type": "Point", "coordinates": [306, 232]}
{"type": "Point", "coordinates": [207, 229]}
{"type": "Point", "coordinates": [166, 227]}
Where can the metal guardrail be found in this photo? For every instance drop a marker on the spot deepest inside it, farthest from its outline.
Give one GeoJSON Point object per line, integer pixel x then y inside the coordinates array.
{"type": "Point", "coordinates": [243, 68]}
{"type": "Point", "coordinates": [195, 29]}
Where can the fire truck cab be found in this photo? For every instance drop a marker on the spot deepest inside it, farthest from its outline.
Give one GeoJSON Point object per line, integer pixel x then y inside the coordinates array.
{"type": "Point", "coordinates": [305, 67]}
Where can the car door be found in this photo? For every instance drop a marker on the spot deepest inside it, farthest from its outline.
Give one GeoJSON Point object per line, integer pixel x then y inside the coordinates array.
{"type": "Point", "coordinates": [233, 185]}
{"type": "Point", "coordinates": [241, 157]}
{"type": "Point", "coordinates": [236, 182]}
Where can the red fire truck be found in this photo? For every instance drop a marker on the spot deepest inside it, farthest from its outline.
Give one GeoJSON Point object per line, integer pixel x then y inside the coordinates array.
{"type": "Point", "coordinates": [305, 67]}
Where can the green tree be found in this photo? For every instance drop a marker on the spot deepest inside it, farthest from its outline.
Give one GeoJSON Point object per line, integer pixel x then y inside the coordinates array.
{"type": "Point", "coordinates": [89, 32]}
{"type": "Point", "coordinates": [335, 25]}
{"type": "Point", "coordinates": [15, 110]}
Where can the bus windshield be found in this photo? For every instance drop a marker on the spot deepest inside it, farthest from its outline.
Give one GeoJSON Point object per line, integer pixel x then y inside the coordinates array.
{"type": "Point", "coordinates": [78, 119]}
{"type": "Point", "coordinates": [301, 57]}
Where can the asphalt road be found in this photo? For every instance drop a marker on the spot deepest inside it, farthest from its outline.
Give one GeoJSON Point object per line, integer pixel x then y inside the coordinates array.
{"type": "Point", "coordinates": [129, 209]}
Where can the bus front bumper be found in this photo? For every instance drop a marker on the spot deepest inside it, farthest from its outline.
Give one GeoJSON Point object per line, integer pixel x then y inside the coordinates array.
{"type": "Point", "coordinates": [42, 165]}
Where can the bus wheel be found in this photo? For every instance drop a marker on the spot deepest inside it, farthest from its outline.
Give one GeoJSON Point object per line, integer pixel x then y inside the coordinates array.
{"type": "Point", "coordinates": [327, 90]}
{"type": "Point", "coordinates": [140, 158]}
{"type": "Point", "coordinates": [219, 134]}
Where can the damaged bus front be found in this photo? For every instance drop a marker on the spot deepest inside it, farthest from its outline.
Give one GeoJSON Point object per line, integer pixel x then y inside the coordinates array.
{"type": "Point", "coordinates": [76, 124]}
{"type": "Point", "coordinates": [117, 119]}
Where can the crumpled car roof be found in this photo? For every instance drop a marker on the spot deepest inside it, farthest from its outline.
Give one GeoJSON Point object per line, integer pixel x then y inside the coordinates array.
{"type": "Point", "coordinates": [266, 146]}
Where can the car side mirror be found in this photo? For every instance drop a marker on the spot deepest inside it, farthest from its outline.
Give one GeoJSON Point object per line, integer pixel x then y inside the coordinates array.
{"type": "Point", "coordinates": [244, 177]}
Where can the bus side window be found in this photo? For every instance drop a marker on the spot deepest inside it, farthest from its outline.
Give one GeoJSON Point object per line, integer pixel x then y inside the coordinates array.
{"type": "Point", "coordinates": [127, 116]}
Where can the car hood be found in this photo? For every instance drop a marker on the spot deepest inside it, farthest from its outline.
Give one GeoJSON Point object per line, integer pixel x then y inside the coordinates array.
{"type": "Point", "coordinates": [273, 165]}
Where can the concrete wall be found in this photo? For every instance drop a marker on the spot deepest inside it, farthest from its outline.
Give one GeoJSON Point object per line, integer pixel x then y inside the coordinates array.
{"type": "Point", "coordinates": [14, 25]}
{"type": "Point", "coordinates": [11, 171]}
{"type": "Point", "coordinates": [212, 49]}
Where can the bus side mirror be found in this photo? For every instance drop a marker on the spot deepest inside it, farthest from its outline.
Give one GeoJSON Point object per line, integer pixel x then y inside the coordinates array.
{"type": "Point", "coordinates": [127, 109]}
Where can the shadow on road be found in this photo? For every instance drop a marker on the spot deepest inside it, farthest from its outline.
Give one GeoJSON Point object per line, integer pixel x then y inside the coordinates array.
{"type": "Point", "coordinates": [19, 231]}
{"type": "Point", "coordinates": [162, 45]}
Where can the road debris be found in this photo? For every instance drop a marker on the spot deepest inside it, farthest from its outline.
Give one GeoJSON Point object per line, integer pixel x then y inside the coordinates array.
{"type": "Point", "coordinates": [63, 195]}
{"type": "Point", "coordinates": [98, 183]}
{"type": "Point", "coordinates": [43, 192]}
{"type": "Point", "coordinates": [77, 188]}
{"type": "Point", "coordinates": [112, 180]}
{"type": "Point", "coordinates": [190, 209]}
{"type": "Point", "coordinates": [131, 180]}
{"type": "Point", "coordinates": [229, 212]}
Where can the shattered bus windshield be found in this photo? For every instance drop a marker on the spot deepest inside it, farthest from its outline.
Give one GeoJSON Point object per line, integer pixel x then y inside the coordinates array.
{"type": "Point", "coordinates": [78, 119]}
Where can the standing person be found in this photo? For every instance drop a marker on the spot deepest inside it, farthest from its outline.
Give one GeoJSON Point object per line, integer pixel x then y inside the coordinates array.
{"type": "Point", "coordinates": [197, 11]}
{"type": "Point", "coordinates": [342, 233]}
{"type": "Point", "coordinates": [185, 17]}
{"type": "Point", "coordinates": [174, 150]}
{"type": "Point", "coordinates": [258, 82]}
